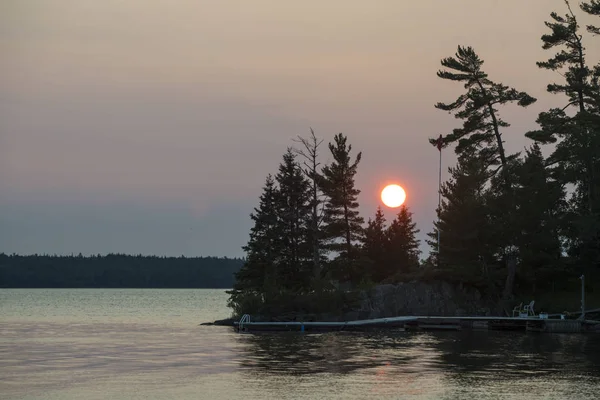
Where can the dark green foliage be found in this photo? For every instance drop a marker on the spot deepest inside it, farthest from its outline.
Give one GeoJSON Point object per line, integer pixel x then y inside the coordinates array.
{"type": "Point", "coordinates": [499, 231]}
{"type": "Point", "coordinates": [342, 229]}
{"type": "Point", "coordinates": [263, 248]}
{"type": "Point", "coordinates": [576, 158]}
{"type": "Point", "coordinates": [293, 204]}
{"type": "Point", "coordinates": [583, 231]}
{"type": "Point", "coordinates": [481, 136]}
{"type": "Point", "coordinates": [278, 253]}
{"type": "Point", "coordinates": [540, 206]}
{"type": "Point", "coordinates": [466, 249]}
{"type": "Point", "coordinates": [245, 302]}
{"type": "Point", "coordinates": [402, 247]}
{"type": "Point", "coordinates": [477, 107]}
{"type": "Point", "coordinates": [503, 224]}
{"type": "Point", "coordinates": [375, 246]}
{"type": "Point", "coordinates": [481, 236]}
{"type": "Point", "coordinates": [571, 62]}
{"type": "Point", "coordinates": [116, 271]}
{"type": "Point", "coordinates": [390, 252]}
{"type": "Point", "coordinates": [526, 236]}
{"type": "Point", "coordinates": [580, 87]}
{"type": "Point", "coordinates": [280, 250]}
{"type": "Point", "coordinates": [592, 7]}
{"type": "Point", "coordinates": [282, 274]}
{"type": "Point", "coordinates": [288, 305]}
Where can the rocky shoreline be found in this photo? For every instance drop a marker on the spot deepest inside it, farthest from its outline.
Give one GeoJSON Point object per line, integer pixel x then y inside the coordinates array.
{"type": "Point", "coordinates": [434, 299]}
{"type": "Point", "coordinates": [220, 322]}
{"type": "Point", "coordinates": [410, 298]}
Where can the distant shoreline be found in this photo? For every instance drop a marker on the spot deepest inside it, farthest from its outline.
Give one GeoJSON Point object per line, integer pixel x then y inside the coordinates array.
{"type": "Point", "coordinates": [104, 288]}
{"type": "Point", "coordinates": [116, 271]}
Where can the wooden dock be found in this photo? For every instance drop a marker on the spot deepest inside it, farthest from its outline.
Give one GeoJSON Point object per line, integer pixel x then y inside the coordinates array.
{"type": "Point", "coordinates": [423, 323]}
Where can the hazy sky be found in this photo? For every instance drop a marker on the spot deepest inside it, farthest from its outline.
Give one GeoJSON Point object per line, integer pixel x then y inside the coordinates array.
{"type": "Point", "coordinates": [149, 126]}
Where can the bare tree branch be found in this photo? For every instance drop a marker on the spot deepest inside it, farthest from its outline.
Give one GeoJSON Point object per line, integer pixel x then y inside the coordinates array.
{"type": "Point", "coordinates": [309, 150]}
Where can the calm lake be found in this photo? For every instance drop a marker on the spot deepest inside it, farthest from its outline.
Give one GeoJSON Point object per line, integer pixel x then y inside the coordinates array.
{"type": "Point", "coordinates": [147, 344]}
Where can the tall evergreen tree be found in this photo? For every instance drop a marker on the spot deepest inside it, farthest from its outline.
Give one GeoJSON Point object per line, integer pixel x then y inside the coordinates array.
{"type": "Point", "coordinates": [375, 246]}
{"type": "Point", "coordinates": [503, 222]}
{"type": "Point", "coordinates": [342, 223]}
{"type": "Point", "coordinates": [293, 211]}
{"type": "Point", "coordinates": [258, 275]}
{"type": "Point", "coordinates": [592, 8]}
{"type": "Point", "coordinates": [540, 205]}
{"type": "Point", "coordinates": [477, 107]}
{"type": "Point", "coordinates": [466, 253]}
{"type": "Point", "coordinates": [577, 133]}
{"type": "Point", "coordinates": [482, 125]}
{"type": "Point", "coordinates": [402, 253]}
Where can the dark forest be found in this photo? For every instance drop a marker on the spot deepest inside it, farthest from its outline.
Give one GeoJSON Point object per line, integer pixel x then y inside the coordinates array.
{"type": "Point", "coordinates": [116, 271]}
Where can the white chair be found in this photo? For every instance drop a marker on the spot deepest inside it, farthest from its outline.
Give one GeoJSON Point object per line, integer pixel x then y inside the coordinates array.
{"type": "Point", "coordinates": [529, 309]}
{"type": "Point", "coordinates": [517, 310]}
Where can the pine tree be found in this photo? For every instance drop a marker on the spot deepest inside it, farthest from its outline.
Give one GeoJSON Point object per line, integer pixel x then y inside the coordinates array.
{"type": "Point", "coordinates": [585, 240]}
{"type": "Point", "coordinates": [481, 130]}
{"type": "Point", "coordinates": [402, 253]}
{"type": "Point", "coordinates": [466, 253]}
{"type": "Point", "coordinates": [293, 211]}
{"type": "Point", "coordinates": [577, 134]}
{"type": "Point", "coordinates": [342, 222]}
{"type": "Point", "coordinates": [592, 7]}
{"type": "Point", "coordinates": [375, 246]}
{"type": "Point", "coordinates": [477, 107]}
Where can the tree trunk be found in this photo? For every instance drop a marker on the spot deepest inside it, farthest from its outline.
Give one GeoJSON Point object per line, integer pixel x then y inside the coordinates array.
{"type": "Point", "coordinates": [311, 165]}
{"type": "Point", "coordinates": [496, 126]}
{"type": "Point", "coordinates": [315, 219]}
{"type": "Point", "coordinates": [348, 237]}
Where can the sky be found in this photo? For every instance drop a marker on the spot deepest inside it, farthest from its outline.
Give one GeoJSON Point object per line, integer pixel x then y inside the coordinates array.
{"type": "Point", "coordinates": [149, 126]}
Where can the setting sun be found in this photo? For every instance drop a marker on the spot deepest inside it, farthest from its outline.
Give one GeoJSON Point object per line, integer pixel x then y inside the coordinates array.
{"type": "Point", "coordinates": [393, 196]}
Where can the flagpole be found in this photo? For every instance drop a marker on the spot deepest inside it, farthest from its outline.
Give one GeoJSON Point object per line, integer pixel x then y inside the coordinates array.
{"type": "Point", "coordinates": [439, 204]}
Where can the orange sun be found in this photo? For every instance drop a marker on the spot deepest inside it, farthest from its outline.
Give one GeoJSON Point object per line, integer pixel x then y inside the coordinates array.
{"type": "Point", "coordinates": [393, 196]}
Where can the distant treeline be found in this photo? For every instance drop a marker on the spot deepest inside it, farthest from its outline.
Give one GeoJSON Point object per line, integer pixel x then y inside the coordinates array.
{"type": "Point", "coordinates": [116, 271]}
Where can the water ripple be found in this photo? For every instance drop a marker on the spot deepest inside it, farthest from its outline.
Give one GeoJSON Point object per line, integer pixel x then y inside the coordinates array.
{"type": "Point", "coordinates": [161, 356]}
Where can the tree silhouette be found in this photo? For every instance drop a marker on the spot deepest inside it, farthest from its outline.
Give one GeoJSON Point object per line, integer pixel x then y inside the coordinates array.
{"type": "Point", "coordinates": [342, 222]}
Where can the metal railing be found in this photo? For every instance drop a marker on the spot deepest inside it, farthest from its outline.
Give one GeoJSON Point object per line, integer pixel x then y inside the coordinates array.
{"type": "Point", "coordinates": [245, 319]}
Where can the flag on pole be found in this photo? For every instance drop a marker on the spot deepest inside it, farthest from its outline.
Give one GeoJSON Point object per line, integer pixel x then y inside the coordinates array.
{"type": "Point", "coordinates": [439, 143]}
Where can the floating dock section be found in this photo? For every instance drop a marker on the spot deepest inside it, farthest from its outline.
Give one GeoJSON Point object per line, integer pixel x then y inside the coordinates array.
{"type": "Point", "coordinates": [417, 323]}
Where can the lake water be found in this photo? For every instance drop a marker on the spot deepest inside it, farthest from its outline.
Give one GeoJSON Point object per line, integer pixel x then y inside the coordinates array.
{"type": "Point", "coordinates": [147, 344]}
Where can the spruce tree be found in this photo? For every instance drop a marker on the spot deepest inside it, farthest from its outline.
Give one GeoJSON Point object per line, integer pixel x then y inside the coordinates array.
{"type": "Point", "coordinates": [258, 276]}
{"type": "Point", "coordinates": [503, 223]}
{"type": "Point", "coordinates": [293, 210]}
{"type": "Point", "coordinates": [402, 253]}
{"type": "Point", "coordinates": [375, 246]}
{"type": "Point", "coordinates": [466, 251]}
{"type": "Point", "coordinates": [342, 223]}
{"type": "Point", "coordinates": [540, 206]}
